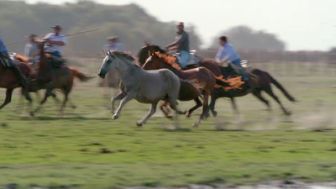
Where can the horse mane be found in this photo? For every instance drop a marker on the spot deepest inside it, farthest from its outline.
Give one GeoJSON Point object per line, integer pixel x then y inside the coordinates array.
{"type": "Point", "coordinates": [168, 59]}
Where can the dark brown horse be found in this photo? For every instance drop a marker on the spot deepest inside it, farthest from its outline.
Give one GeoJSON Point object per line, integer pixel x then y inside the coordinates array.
{"type": "Point", "coordinates": [50, 78]}
{"type": "Point", "coordinates": [201, 79]}
{"type": "Point", "coordinates": [260, 81]}
{"type": "Point", "coordinates": [9, 81]}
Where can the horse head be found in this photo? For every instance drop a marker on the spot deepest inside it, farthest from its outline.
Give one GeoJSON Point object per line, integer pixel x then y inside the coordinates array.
{"type": "Point", "coordinates": [146, 51]}
{"type": "Point", "coordinates": [110, 58]}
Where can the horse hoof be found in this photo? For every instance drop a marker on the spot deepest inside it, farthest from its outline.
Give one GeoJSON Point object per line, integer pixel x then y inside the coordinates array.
{"type": "Point", "coordinates": [214, 113]}
{"type": "Point", "coordinates": [115, 116]}
{"type": "Point", "coordinates": [195, 125]}
{"type": "Point", "coordinates": [288, 113]}
{"type": "Point", "coordinates": [139, 124]}
{"type": "Point", "coordinates": [32, 114]}
{"type": "Point", "coordinates": [206, 115]}
{"type": "Point", "coordinates": [188, 115]}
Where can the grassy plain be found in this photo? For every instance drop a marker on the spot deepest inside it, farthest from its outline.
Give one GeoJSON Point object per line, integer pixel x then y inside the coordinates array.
{"type": "Point", "coordinates": [86, 149]}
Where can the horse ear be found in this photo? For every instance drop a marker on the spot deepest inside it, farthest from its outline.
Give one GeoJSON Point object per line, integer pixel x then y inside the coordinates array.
{"type": "Point", "coordinates": [110, 53]}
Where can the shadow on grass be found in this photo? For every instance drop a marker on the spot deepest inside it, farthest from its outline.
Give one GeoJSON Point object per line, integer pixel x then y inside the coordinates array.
{"type": "Point", "coordinates": [70, 118]}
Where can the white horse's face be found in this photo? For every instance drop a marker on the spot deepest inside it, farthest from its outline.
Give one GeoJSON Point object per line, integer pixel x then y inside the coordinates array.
{"type": "Point", "coordinates": [107, 64]}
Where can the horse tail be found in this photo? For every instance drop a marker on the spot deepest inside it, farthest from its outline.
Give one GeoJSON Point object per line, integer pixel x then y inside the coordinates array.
{"type": "Point", "coordinates": [282, 89]}
{"type": "Point", "coordinates": [81, 76]}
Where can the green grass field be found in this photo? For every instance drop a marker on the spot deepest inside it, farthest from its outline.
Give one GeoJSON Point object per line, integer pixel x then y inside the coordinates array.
{"type": "Point", "coordinates": [86, 149]}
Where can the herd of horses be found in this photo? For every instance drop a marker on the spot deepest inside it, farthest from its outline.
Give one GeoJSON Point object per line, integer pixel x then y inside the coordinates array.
{"type": "Point", "coordinates": [43, 77]}
{"type": "Point", "coordinates": [141, 81]}
{"type": "Point", "coordinates": [152, 77]}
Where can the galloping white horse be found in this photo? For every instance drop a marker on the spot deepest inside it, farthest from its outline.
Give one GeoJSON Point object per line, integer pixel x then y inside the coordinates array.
{"type": "Point", "coordinates": [145, 86]}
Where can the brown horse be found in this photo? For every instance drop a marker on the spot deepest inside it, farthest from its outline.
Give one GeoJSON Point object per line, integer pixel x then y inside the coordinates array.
{"type": "Point", "coordinates": [201, 79]}
{"type": "Point", "coordinates": [50, 78]}
{"type": "Point", "coordinates": [260, 81]}
{"type": "Point", "coordinates": [9, 81]}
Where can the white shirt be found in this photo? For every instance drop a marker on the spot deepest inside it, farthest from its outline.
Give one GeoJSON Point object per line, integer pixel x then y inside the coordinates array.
{"type": "Point", "coordinates": [53, 37]}
{"type": "Point", "coordinates": [32, 52]}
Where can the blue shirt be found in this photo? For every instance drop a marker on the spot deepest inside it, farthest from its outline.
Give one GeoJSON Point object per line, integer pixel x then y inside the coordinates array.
{"type": "Point", "coordinates": [227, 53]}
{"type": "Point", "coordinates": [3, 48]}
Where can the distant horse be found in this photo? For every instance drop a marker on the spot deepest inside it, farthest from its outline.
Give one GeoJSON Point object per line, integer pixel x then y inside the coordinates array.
{"type": "Point", "coordinates": [202, 80]}
{"type": "Point", "coordinates": [260, 81]}
{"type": "Point", "coordinates": [9, 81]}
{"type": "Point", "coordinates": [77, 74]}
{"type": "Point", "coordinates": [50, 78]}
{"type": "Point", "coordinates": [144, 86]}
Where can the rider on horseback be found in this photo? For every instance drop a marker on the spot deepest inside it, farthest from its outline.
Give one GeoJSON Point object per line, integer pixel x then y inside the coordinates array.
{"type": "Point", "coordinates": [181, 45]}
{"type": "Point", "coordinates": [31, 49]}
{"type": "Point", "coordinates": [55, 42]}
{"type": "Point", "coordinates": [226, 53]}
{"type": "Point", "coordinates": [114, 44]}
{"type": "Point", "coordinates": [7, 62]}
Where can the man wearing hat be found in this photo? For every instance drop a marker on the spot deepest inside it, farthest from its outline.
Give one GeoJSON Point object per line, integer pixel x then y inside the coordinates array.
{"type": "Point", "coordinates": [113, 44]}
{"type": "Point", "coordinates": [181, 45]}
{"type": "Point", "coordinates": [31, 49]}
{"type": "Point", "coordinates": [226, 53]}
{"type": "Point", "coordinates": [55, 42]}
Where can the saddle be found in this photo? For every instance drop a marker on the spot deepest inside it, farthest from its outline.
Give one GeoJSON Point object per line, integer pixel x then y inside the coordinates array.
{"type": "Point", "coordinates": [194, 59]}
{"type": "Point", "coordinates": [55, 62]}
{"type": "Point", "coordinates": [233, 77]}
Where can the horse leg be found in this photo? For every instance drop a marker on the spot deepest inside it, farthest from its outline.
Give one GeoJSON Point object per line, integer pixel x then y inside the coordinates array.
{"type": "Point", "coordinates": [120, 96]}
{"type": "Point", "coordinates": [56, 99]}
{"type": "Point", "coordinates": [165, 110]}
{"type": "Point", "coordinates": [8, 99]}
{"type": "Point", "coordinates": [65, 100]}
{"type": "Point", "coordinates": [71, 104]}
{"type": "Point", "coordinates": [25, 93]}
{"type": "Point", "coordinates": [234, 105]}
{"type": "Point", "coordinates": [21, 106]}
{"type": "Point", "coordinates": [173, 105]}
{"type": "Point", "coordinates": [205, 111]}
{"type": "Point", "coordinates": [122, 103]}
{"type": "Point", "coordinates": [270, 92]}
{"type": "Point", "coordinates": [198, 104]}
{"type": "Point", "coordinates": [213, 104]}
{"type": "Point", "coordinates": [177, 110]}
{"type": "Point", "coordinates": [259, 96]}
{"type": "Point", "coordinates": [45, 98]}
{"type": "Point", "coordinates": [150, 113]}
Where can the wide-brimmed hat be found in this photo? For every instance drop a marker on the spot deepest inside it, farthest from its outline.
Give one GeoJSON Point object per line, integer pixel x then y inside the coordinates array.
{"type": "Point", "coordinates": [114, 37]}
{"type": "Point", "coordinates": [57, 27]}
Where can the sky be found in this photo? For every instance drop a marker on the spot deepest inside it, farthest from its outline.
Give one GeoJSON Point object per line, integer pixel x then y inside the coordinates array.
{"type": "Point", "coordinates": [302, 24]}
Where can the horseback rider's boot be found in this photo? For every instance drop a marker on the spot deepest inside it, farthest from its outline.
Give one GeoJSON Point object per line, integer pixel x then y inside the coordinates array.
{"type": "Point", "coordinates": [21, 77]}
